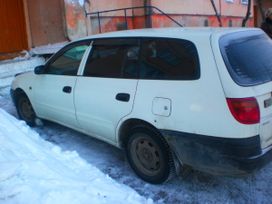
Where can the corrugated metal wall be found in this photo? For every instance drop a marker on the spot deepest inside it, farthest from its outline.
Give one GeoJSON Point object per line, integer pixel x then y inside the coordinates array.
{"type": "Point", "coordinates": [13, 35]}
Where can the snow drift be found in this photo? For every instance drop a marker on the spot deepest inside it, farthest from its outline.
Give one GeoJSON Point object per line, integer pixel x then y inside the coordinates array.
{"type": "Point", "coordinates": [33, 170]}
{"type": "Point", "coordinates": [10, 68]}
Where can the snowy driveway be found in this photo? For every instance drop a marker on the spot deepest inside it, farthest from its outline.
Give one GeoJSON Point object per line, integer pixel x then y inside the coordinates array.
{"type": "Point", "coordinates": [194, 188]}
{"type": "Point", "coordinates": [33, 170]}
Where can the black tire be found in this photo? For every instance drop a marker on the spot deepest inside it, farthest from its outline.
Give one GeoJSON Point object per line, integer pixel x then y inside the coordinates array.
{"type": "Point", "coordinates": [149, 155]}
{"type": "Point", "coordinates": [25, 110]}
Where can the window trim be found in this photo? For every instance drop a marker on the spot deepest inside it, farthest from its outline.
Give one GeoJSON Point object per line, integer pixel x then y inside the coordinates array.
{"type": "Point", "coordinates": [141, 38]}
{"type": "Point", "coordinates": [69, 46]}
{"type": "Point", "coordinates": [225, 40]}
{"type": "Point", "coordinates": [92, 50]}
{"type": "Point", "coordinates": [198, 74]}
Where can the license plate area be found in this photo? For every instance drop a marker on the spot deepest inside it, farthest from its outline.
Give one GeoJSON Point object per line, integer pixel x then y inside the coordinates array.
{"type": "Point", "coordinates": [268, 102]}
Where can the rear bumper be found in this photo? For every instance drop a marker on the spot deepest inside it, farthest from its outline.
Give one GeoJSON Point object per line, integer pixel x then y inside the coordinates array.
{"type": "Point", "coordinates": [220, 156]}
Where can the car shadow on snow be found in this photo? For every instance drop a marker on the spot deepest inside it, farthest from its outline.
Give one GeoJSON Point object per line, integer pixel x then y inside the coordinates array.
{"type": "Point", "coordinates": [194, 187]}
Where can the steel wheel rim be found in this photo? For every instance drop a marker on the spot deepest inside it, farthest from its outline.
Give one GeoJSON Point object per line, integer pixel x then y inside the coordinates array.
{"type": "Point", "coordinates": [26, 110]}
{"type": "Point", "coordinates": [146, 155]}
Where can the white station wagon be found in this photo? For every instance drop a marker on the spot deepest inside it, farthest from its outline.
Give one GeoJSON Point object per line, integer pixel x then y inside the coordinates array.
{"type": "Point", "coordinates": [170, 98]}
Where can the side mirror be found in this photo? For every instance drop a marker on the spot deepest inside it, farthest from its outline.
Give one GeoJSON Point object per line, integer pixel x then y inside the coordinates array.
{"type": "Point", "coordinates": [39, 69]}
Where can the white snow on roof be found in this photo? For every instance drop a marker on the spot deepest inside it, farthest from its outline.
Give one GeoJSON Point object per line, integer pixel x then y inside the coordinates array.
{"type": "Point", "coordinates": [8, 69]}
{"type": "Point", "coordinates": [47, 49]}
{"type": "Point", "coordinates": [35, 171]}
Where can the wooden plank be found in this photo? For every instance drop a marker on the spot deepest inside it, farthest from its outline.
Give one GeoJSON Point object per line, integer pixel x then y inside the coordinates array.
{"type": "Point", "coordinates": [13, 37]}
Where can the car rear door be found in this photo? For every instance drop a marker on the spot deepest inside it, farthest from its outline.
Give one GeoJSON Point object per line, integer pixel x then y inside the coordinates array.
{"type": "Point", "coordinates": [54, 89]}
{"type": "Point", "coordinates": [105, 92]}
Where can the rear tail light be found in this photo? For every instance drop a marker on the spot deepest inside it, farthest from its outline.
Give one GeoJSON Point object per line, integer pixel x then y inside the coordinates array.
{"type": "Point", "coordinates": [244, 110]}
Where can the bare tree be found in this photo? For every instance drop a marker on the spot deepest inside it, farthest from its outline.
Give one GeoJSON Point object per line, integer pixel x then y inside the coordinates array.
{"type": "Point", "coordinates": [247, 13]}
{"type": "Point", "coordinates": [260, 6]}
{"type": "Point", "coordinates": [216, 13]}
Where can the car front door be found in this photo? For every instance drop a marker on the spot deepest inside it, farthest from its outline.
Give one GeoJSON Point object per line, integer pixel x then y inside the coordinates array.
{"type": "Point", "coordinates": [105, 93]}
{"type": "Point", "coordinates": [54, 89]}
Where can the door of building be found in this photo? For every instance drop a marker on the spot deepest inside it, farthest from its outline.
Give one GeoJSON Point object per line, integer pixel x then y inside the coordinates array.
{"type": "Point", "coordinates": [13, 37]}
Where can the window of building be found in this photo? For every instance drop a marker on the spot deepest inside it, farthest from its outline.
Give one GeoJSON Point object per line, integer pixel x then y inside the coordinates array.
{"type": "Point", "coordinates": [244, 1]}
{"type": "Point", "coordinates": [113, 58]}
{"type": "Point", "coordinates": [229, 1]}
{"type": "Point", "coordinates": [169, 59]}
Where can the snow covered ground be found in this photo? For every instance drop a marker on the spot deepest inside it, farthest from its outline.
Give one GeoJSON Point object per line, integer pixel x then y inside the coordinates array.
{"type": "Point", "coordinates": [9, 68]}
{"type": "Point", "coordinates": [35, 171]}
{"type": "Point", "coordinates": [195, 187]}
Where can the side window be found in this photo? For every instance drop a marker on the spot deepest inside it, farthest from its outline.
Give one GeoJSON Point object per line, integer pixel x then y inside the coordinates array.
{"type": "Point", "coordinates": [169, 59]}
{"type": "Point", "coordinates": [68, 62]}
{"type": "Point", "coordinates": [113, 58]}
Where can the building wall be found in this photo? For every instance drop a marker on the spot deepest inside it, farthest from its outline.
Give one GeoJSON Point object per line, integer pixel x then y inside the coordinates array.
{"type": "Point", "coordinates": [258, 17]}
{"type": "Point", "coordinates": [192, 14]}
{"type": "Point", "coordinates": [236, 12]}
{"type": "Point", "coordinates": [13, 37]}
{"type": "Point", "coordinates": [47, 25]}
{"type": "Point", "coordinates": [46, 21]}
{"type": "Point", "coordinates": [76, 22]}
{"type": "Point", "coordinates": [51, 21]}
{"type": "Point", "coordinates": [187, 12]}
{"type": "Point", "coordinates": [78, 25]}
{"type": "Point", "coordinates": [203, 7]}
{"type": "Point", "coordinates": [100, 5]}
{"type": "Point", "coordinates": [235, 9]}
{"type": "Point", "coordinates": [267, 4]}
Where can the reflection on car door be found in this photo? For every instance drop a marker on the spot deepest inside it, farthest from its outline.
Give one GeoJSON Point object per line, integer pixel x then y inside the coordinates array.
{"type": "Point", "coordinates": [105, 92]}
{"type": "Point", "coordinates": [54, 89]}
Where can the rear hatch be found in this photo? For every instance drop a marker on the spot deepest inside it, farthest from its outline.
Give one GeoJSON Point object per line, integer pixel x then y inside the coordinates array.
{"type": "Point", "coordinates": [248, 58]}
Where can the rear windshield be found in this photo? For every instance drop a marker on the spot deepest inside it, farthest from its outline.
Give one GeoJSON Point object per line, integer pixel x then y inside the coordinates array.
{"type": "Point", "coordinates": [248, 57]}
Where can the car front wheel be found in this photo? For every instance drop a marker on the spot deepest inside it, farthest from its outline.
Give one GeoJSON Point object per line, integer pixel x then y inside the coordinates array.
{"type": "Point", "coordinates": [149, 155]}
{"type": "Point", "coordinates": [25, 110]}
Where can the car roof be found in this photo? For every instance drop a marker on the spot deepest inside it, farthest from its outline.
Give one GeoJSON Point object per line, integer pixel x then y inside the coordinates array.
{"type": "Point", "coordinates": [173, 32]}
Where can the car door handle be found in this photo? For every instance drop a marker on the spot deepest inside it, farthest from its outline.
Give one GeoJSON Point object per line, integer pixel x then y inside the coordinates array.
{"type": "Point", "coordinates": [122, 97]}
{"type": "Point", "coordinates": [67, 89]}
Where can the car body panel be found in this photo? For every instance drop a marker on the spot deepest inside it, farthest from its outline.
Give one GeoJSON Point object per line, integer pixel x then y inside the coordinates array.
{"type": "Point", "coordinates": [25, 82]}
{"type": "Point", "coordinates": [97, 109]}
{"type": "Point", "coordinates": [261, 92]}
{"type": "Point", "coordinates": [198, 106]}
{"type": "Point", "coordinates": [195, 108]}
{"type": "Point", "coordinates": [52, 102]}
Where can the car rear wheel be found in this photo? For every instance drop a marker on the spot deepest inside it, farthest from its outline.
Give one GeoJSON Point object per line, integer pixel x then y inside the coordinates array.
{"type": "Point", "coordinates": [25, 110]}
{"type": "Point", "coordinates": [149, 155]}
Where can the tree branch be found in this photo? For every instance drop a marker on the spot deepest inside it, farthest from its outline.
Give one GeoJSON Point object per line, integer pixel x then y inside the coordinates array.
{"type": "Point", "coordinates": [247, 13]}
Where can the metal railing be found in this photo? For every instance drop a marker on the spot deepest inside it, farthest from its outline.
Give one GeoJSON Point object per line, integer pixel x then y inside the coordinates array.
{"type": "Point", "coordinates": [149, 11]}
